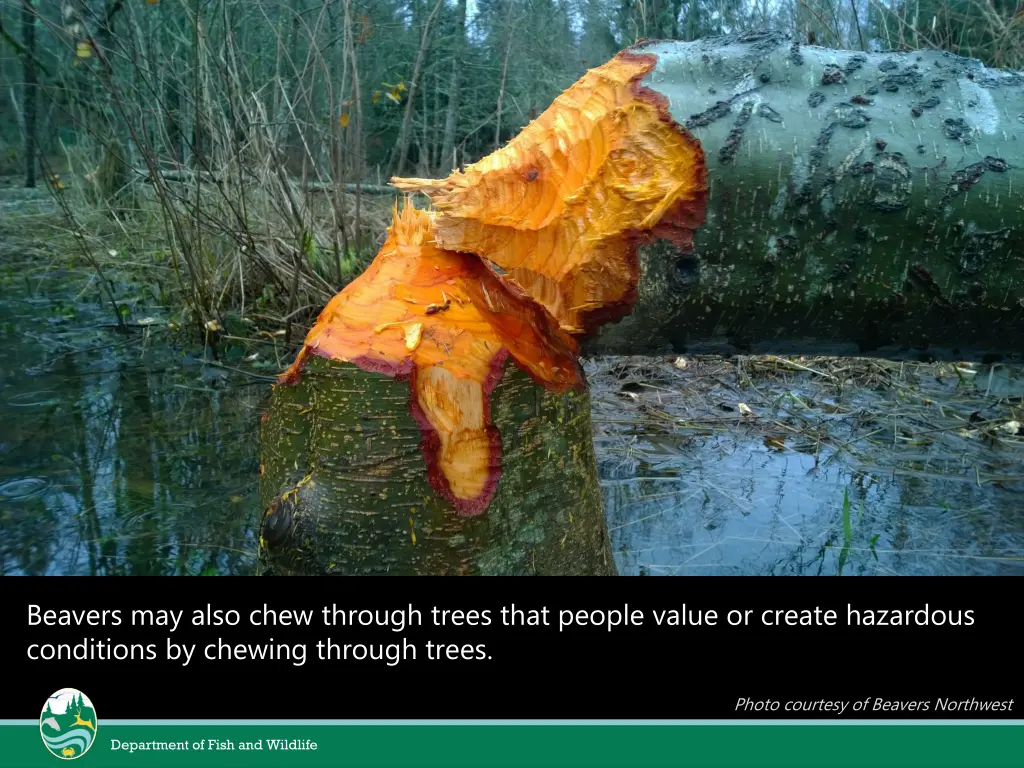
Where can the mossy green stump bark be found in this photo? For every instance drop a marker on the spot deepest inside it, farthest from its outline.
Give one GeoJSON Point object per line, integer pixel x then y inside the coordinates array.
{"type": "Point", "coordinates": [345, 491]}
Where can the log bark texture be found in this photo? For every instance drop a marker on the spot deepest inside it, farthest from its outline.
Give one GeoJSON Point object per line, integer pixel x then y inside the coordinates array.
{"type": "Point", "coordinates": [345, 490]}
{"type": "Point", "coordinates": [29, 90]}
{"type": "Point", "coordinates": [859, 204]}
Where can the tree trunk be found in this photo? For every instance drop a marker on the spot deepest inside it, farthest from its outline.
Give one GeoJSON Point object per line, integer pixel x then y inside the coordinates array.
{"type": "Point", "coordinates": [860, 204]}
{"type": "Point", "coordinates": [405, 132]}
{"type": "Point", "coordinates": [29, 106]}
{"type": "Point", "coordinates": [367, 507]}
{"type": "Point", "coordinates": [357, 151]}
{"type": "Point", "coordinates": [510, 31]}
{"type": "Point", "coordinates": [451, 120]}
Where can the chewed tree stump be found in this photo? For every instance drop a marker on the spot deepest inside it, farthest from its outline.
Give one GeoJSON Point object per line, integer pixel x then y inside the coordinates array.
{"type": "Point", "coordinates": [437, 420]}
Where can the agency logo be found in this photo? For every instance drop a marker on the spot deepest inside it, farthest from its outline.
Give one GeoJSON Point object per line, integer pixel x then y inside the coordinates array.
{"type": "Point", "coordinates": [68, 724]}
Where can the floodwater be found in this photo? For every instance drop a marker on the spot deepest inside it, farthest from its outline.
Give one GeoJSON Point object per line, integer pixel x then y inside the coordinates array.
{"type": "Point", "coordinates": [810, 481]}
{"type": "Point", "coordinates": [128, 453]}
{"type": "Point", "coordinates": [117, 456]}
{"type": "Point", "coordinates": [119, 453]}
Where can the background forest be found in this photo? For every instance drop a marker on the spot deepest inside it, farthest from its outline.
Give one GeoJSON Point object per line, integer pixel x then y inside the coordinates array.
{"type": "Point", "coordinates": [262, 132]}
{"type": "Point", "coordinates": [185, 183]}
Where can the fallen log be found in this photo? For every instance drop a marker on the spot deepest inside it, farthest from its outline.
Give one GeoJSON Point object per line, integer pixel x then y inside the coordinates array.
{"type": "Point", "coordinates": [205, 177]}
{"type": "Point", "coordinates": [864, 204]}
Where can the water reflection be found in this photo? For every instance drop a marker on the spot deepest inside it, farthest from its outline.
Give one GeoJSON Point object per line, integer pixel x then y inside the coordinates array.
{"type": "Point", "coordinates": [118, 455]}
{"type": "Point", "coordinates": [122, 454]}
{"type": "Point", "coordinates": [691, 492]}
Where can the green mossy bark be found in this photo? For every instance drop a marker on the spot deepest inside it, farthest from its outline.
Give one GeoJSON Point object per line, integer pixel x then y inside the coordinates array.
{"type": "Point", "coordinates": [345, 443]}
{"type": "Point", "coordinates": [860, 204]}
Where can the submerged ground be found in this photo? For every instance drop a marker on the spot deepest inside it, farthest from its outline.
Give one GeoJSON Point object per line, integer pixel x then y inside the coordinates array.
{"type": "Point", "coordinates": [136, 453]}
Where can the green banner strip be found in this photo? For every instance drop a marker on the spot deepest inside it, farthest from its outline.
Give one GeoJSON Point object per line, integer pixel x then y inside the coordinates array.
{"type": "Point", "coordinates": [498, 746]}
{"type": "Point", "coordinates": [482, 722]}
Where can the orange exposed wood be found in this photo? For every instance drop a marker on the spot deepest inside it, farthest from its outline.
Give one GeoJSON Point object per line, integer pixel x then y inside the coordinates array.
{"type": "Point", "coordinates": [563, 206]}
{"type": "Point", "coordinates": [447, 322]}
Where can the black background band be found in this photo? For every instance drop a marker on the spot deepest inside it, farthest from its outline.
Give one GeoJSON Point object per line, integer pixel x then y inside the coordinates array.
{"type": "Point", "coordinates": [640, 671]}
